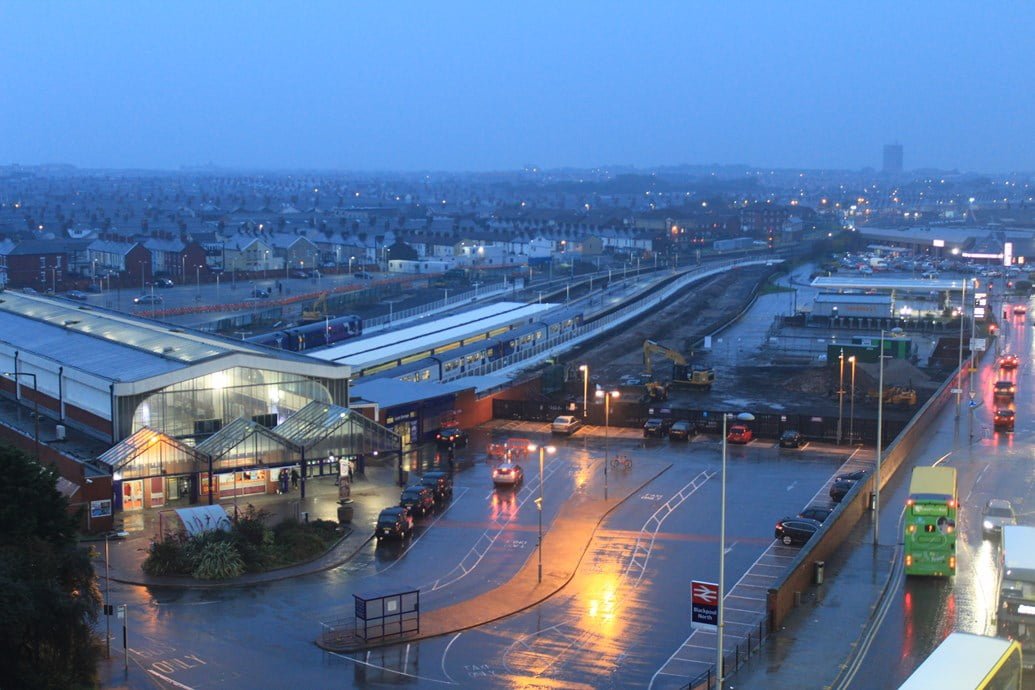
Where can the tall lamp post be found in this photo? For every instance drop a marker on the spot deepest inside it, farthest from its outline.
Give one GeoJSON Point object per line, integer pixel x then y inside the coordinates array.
{"type": "Point", "coordinates": [543, 450]}
{"type": "Point", "coordinates": [959, 364]}
{"type": "Point", "coordinates": [584, 368]}
{"type": "Point", "coordinates": [880, 443]}
{"type": "Point", "coordinates": [743, 417]}
{"type": "Point", "coordinates": [35, 405]}
{"type": "Point", "coordinates": [607, 396]}
{"type": "Point", "coordinates": [840, 395]}
{"type": "Point", "coordinates": [851, 404]}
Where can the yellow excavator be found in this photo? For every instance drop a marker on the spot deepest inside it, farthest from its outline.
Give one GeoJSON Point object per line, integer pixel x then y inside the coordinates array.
{"type": "Point", "coordinates": [684, 375]}
{"type": "Point", "coordinates": [316, 312]}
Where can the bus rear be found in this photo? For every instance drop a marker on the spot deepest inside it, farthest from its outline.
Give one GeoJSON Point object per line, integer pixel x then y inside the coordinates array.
{"type": "Point", "coordinates": [1016, 614]}
{"type": "Point", "coordinates": [929, 537]}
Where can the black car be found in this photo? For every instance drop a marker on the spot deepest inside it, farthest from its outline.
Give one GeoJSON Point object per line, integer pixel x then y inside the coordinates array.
{"type": "Point", "coordinates": [451, 437]}
{"type": "Point", "coordinates": [262, 293]}
{"type": "Point", "coordinates": [791, 439]}
{"type": "Point", "coordinates": [817, 513]}
{"type": "Point", "coordinates": [843, 483]}
{"type": "Point", "coordinates": [419, 499]}
{"type": "Point", "coordinates": [655, 427]}
{"type": "Point", "coordinates": [796, 530]}
{"type": "Point", "coordinates": [440, 483]}
{"type": "Point", "coordinates": [681, 431]}
{"type": "Point", "coordinates": [394, 523]}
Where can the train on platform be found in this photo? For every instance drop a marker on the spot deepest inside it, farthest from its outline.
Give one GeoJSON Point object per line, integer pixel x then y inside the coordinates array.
{"type": "Point", "coordinates": [474, 353]}
{"type": "Point", "coordinates": [312, 335]}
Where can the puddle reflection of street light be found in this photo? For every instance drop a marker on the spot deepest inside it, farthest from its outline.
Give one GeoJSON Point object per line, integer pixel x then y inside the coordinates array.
{"type": "Point", "coordinates": [607, 396]}
{"type": "Point", "coordinates": [584, 368]}
{"type": "Point", "coordinates": [743, 417]}
{"type": "Point", "coordinates": [543, 450]}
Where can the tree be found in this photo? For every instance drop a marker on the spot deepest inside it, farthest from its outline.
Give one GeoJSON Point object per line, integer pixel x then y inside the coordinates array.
{"type": "Point", "coordinates": [49, 597]}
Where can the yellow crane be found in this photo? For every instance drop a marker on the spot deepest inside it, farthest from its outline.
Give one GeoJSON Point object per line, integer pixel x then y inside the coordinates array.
{"type": "Point", "coordinates": [683, 374]}
{"type": "Point", "coordinates": [317, 311]}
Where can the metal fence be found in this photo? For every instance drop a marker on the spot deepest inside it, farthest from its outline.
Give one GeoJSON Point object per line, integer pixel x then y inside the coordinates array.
{"type": "Point", "coordinates": [732, 661]}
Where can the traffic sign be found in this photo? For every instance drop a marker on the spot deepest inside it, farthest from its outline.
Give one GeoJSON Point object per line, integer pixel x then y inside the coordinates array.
{"type": "Point", "coordinates": [704, 604]}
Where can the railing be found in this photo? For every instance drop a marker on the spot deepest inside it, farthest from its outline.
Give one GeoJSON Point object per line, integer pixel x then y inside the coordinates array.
{"type": "Point", "coordinates": [732, 662]}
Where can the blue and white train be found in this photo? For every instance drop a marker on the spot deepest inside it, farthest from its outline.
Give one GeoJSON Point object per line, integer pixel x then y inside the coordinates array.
{"type": "Point", "coordinates": [312, 335]}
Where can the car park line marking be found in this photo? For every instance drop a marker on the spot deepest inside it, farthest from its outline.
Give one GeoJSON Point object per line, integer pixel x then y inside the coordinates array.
{"type": "Point", "coordinates": [488, 537]}
{"type": "Point", "coordinates": [792, 485]}
{"type": "Point", "coordinates": [446, 653]}
{"type": "Point", "coordinates": [169, 680]}
{"type": "Point", "coordinates": [745, 597]}
{"type": "Point", "coordinates": [391, 670]}
{"type": "Point", "coordinates": [730, 608]}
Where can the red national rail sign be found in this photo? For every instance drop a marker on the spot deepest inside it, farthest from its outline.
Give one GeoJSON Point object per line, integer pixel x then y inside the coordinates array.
{"type": "Point", "coordinates": [704, 603]}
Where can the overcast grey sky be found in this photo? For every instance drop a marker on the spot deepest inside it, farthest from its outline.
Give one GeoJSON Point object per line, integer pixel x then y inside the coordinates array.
{"type": "Point", "coordinates": [487, 86]}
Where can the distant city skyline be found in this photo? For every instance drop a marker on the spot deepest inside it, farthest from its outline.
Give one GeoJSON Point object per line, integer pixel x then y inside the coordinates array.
{"type": "Point", "coordinates": [469, 87]}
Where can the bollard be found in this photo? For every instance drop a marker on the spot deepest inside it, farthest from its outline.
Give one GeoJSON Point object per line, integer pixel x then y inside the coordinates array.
{"type": "Point", "coordinates": [873, 500]}
{"type": "Point", "coordinates": [820, 568]}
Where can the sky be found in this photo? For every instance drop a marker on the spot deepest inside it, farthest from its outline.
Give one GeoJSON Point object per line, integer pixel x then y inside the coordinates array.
{"type": "Point", "coordinates": [481, 86]}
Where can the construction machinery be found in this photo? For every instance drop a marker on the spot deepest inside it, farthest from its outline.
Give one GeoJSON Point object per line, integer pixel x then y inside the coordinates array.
{"type": "Point", "coordinates": [684, 375]}
{"type": "Point", "coordinates": [317, 311]}
{"type": "Point", "coordinates": [895, 395]}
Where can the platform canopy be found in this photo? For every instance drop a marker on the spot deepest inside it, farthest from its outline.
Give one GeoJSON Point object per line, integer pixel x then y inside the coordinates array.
{"type": "Point", "coordinates": [243, 444]}
{"type": "Point", "coordinates": [150, 453]}
{"type": "Point", "coordinates": [325, 430]}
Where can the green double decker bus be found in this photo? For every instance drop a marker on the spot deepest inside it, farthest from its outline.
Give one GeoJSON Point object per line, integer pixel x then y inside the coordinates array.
{"type": "Point", "coordinates": [930, 522]}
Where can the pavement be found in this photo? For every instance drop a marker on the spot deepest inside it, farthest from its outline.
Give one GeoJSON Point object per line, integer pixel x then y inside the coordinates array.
{"type": "Point", "coordinates": [371, 491]}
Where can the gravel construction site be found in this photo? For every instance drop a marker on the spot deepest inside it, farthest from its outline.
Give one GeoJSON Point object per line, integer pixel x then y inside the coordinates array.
{"type": "Point", "coordinates": [744, 377]}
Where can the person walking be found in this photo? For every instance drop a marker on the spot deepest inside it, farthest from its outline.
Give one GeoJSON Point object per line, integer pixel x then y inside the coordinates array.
{"type": "Point", "coordinates": [294, 478]}
{"type": "Point", "coordinates": [351, 469]}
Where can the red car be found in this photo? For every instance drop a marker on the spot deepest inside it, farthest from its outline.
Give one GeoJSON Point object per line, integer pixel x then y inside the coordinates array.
{"type": "Point", "coordinates": [1004, 420]}
{"type": "Point", "coordinates": [1009, 362]}
{"type": "Point", "coordinates": [739, 434]}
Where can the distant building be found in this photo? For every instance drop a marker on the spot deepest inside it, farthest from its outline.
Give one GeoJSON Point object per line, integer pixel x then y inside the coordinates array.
{"type": "Point", "coordinates": [893, 158]}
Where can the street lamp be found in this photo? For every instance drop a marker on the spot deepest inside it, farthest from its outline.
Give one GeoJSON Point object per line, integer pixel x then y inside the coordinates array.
{"type": "Point", "coordinates": [851, 414]}
{"type": "Point", "coordinates": [543, 450]}
{"type": "Point", "coordinates": [351, 259]}
{"type": "Point", "coordinates": [743, 417]}
{"type": "Point", "coordinates": [959, 364]}
{"type": "Point", "coordinates": [880, 442]}
{"type": "Point", "coordinates": [607, 396]}
{"type": "Point", "coordinates": [584, 368]}
{"type": "Point", "coordinates": [841, 395]}
{"type": "Point", "coordinates": [35, 404]}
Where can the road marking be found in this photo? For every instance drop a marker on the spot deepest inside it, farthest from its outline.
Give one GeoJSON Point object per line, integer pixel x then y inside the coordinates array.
{"type": "Point", "coordinates": [389, 670]}
{"type": "Point", "coordinates": [792, 485]}
{"type": "Point", "coordinates": [170, 680]}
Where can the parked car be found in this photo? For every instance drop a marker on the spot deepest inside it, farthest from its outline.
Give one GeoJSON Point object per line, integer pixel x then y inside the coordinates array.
{"type": "Point", "coordinates": [77, 295]}
{"type": "Point", "coordinates": [161, 283]}
{"type": "Point", "coordinates": [1009, 362]}
{"type": "Point", "coordinates": [148, 299]}
{"type": "Point", "coordinates": [817, 513]}
{"type": "Point", "coordinates": [681, 430]}
{"type": "Point", "coordinates": [262, 292]}
{"type": "Point", "coordinates": [451, 437]}
{"type": "Point", "coordinates": [565, 424]}
{"type": "Point", "coordinates": [796, 530]}
{"type": "Point", "coordinates": [655, 427]}
{"type": "Point", "coordinates": [508, 474]}
{"type": "Point", "coordinates": [94, 288]}
{"type": "Point", "coordinates": [394, 523]}
{"type": "Point", "coordinates": [363, 275]}
{"type": "Point", "coordinates": [419, 499]}
{"type": "Point", "coordinates": [1003, 420]}
{"type": "Point", "coordinates": [299, 273]}
{"type": "Point", "coordinates": [440, 483]}
{"type": "Point", "coordinates": [29, 291]}
{"type": "Point", "coordinates": [996, 513]}
{"type": "Point", "coordinates": [1004, 389]}
{"type": "Point", "coordinates": [791, 439]}
{"type": "Point", "coordinates": [843, 483]}
{"type": "Point", "coordinates": [739, 433]}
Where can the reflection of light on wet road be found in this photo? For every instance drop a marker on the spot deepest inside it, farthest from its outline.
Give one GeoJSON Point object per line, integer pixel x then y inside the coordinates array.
{"type": "Point", "coordinates": [985, 579]}
{"type": "Point", "coordinates": [600, 592]}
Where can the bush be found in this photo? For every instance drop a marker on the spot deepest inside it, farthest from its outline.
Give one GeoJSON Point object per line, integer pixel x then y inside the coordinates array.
{"type": "Point", "coordinates": [299, 545]}
{"type": "Point", "coordinates": [167, 557]}
{"type": "Point", "coordinates": [218, 560]}
{"type": "Point", "coordinates": [251, 526]}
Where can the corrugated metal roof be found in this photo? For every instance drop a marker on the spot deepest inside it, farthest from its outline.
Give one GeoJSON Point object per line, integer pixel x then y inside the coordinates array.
{"type": "Point", "coordinates": [113, 346]}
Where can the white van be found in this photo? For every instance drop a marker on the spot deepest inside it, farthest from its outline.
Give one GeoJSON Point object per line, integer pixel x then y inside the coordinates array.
{"type": "Point", "coordinates": [565, 424]}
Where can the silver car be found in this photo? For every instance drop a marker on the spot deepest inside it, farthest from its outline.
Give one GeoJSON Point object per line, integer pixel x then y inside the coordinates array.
{"type": "Point", "coordinates": [997, 512]}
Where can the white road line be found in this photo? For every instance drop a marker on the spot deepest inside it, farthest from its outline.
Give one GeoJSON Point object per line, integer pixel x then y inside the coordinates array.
{"type": "Point", "coordinates": [391, 670]}
{"type": "Point", "coordinates": [445, 653]}
{"type": "Point", "coordinates": [167, 679]}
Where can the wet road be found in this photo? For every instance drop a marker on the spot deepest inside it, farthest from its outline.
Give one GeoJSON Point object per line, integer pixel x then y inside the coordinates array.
{"type": "Point", "coordinates": [615, 625]}
{"type": "Point", "coordinates": [990, 465]}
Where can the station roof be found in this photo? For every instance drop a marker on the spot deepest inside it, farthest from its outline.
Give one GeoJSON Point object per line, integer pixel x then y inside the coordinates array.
{"type": "Point", "coordinates": [394, 344]}
{"type": "Point", "coordinates": [121, 348]}
{"type": "Point", "coordinates": [906, 284]}
{"type": "Point", "coordinates": [837, 298]}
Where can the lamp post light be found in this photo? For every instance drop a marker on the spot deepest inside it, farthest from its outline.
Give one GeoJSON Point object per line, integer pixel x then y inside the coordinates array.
{"type": "Point", "coordinates": [959, 363]}
{"type": "Point", "coordinates": [607, 396]}
{"type": "Point", "coordinates": [840, 395]}
{"type": "Point", "coordinates": [743, 417]}
{"type": "Point", "coordinates": [351, 259]}
{"type": "Point", "coordinates": [851, 414]}
{"type": "Point", "coordinates": [35, 404]}
{"type": "Point", "coordinates": [543, 450]}
{"type": "Point", "coordinates": [584, 368]}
